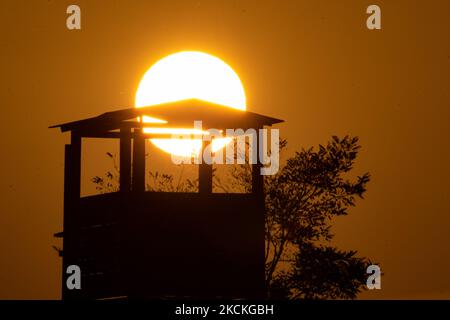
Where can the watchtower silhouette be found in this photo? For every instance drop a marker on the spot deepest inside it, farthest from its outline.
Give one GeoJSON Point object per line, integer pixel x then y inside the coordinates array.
{"type": "Point", "coordinates": [154, 244]}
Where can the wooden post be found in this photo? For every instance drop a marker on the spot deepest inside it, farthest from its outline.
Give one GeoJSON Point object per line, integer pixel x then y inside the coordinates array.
{"type": "Point", "coordinates": [257, 178]}
{"type": "Point", "coordinates": [72, 177]}
{"type": "Point", "coordinates": [205, 172]}
{"type": "Point", "coordinates": [258, 193]}
{"type": "Point", "coordinates": [75, 165]}
{"type": "Point", "coordinates": [66, 218]}
{"type": "Point", "coordinates": [138, 161]}
{"type": "Point", "coordinates": [67, 180]}
{"type": "Point", "coordinates": [125, 159]}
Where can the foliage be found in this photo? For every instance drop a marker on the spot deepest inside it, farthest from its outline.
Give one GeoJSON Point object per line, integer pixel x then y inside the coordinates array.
{"type": "Point", "coordinates": [110, 181]}
{"type": "Point", "coordinates": [158, 182]}
{"type": "Point", "coordinates": [301, 200]}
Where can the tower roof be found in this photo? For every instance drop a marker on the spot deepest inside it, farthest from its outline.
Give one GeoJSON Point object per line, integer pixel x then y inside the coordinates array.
{"type": "Point", "coordinates": [177, 114]}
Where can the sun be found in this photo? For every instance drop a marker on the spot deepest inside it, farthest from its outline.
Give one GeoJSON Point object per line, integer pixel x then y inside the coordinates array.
{"type": "Point", "coordinates": [186, 75]}
{"type": "Point", "coordinates": [191, 74]}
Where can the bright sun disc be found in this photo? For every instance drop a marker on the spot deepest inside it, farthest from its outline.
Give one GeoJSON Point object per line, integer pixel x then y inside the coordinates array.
{"type": "Point", "coordinates": [187, 75]}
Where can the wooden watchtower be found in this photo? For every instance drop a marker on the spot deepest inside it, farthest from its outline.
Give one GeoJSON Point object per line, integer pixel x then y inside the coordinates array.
{"type": "Point", "coordinates": [154, 244]}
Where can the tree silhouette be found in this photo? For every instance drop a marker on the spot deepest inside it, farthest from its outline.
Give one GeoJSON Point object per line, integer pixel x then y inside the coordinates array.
{"type": "Point", "coordinates": [312, 188]}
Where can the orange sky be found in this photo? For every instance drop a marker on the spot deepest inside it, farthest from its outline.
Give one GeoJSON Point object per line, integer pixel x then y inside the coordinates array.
{"type": "Point", "coordinates": [312, 63]}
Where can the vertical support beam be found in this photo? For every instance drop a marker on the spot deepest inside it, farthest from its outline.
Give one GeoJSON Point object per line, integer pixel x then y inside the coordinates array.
{"type": "Point", "coordinates": [205, 172]}
{"type": "Point", "coordinates": [125, 159]}
{"type": "Point", "coordinates": [67, 180]}
{"type": "Point", "coordinates": [258, 192]}
{"type": "Point", "coordinates": [66, 219]}
{"type": "Point", "coordinates": [72, 177]}
{"type": "Point", "coordinates": [257, 178]}
{"type": "Point", "coordinates": [138, 161]}
{"type": "Point", "coordinates": [75, 165]}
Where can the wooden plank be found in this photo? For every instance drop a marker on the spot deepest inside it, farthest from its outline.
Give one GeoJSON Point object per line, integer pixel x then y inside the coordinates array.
{"type": "Point", "coordinates": [116, 135]}
{"type": "Point", "coordinates": [100, 134]}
